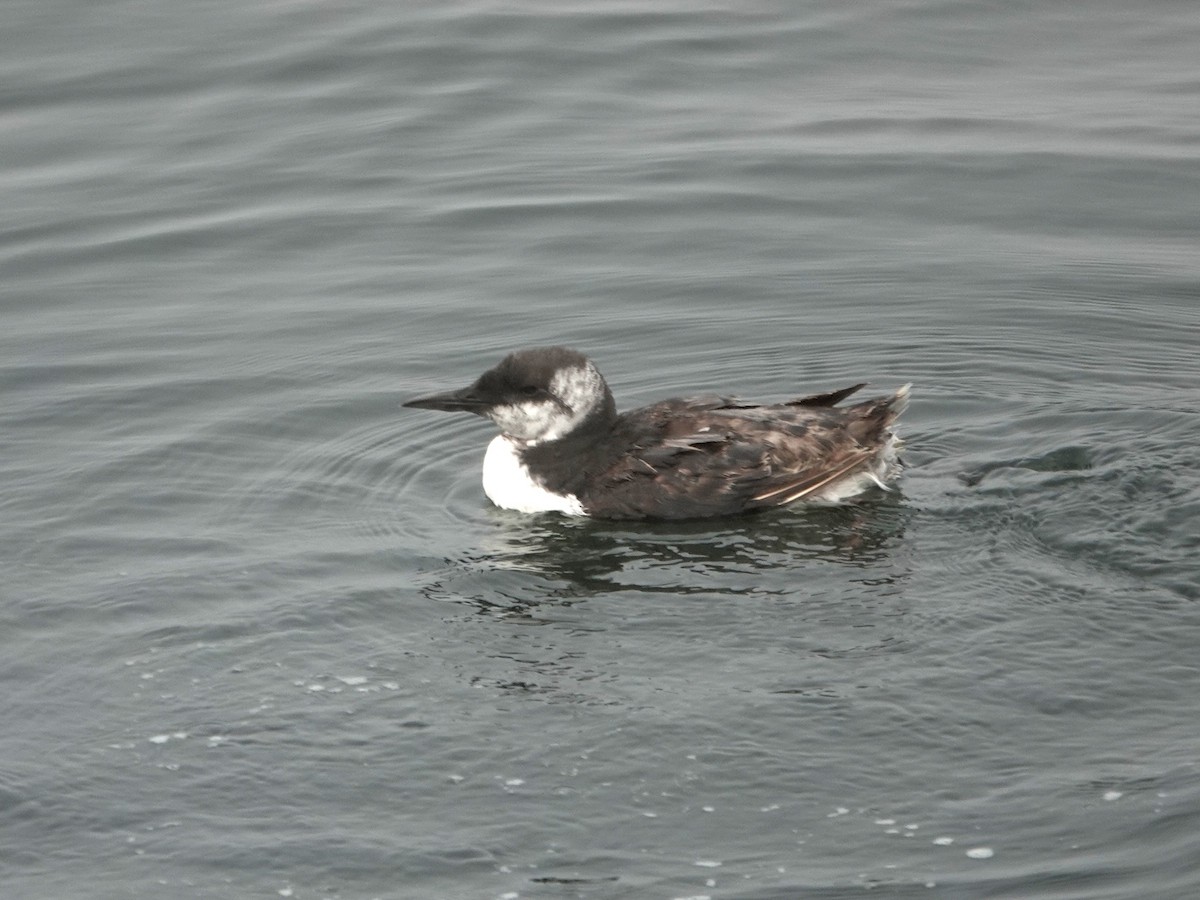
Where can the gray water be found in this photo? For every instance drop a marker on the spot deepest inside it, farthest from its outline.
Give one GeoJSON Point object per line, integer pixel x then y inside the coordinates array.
{"type": "Point", "coordinates": [262, 635]}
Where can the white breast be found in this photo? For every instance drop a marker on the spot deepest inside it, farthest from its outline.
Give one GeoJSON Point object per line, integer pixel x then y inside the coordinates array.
{"type": "Point", "coordinates": [507, 483]}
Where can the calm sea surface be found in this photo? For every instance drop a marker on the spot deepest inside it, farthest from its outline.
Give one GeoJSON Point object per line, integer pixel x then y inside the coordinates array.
{"type": "Point", "coordinates": [262, 635]}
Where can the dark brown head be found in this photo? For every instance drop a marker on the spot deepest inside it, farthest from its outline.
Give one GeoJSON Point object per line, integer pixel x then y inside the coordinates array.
{"type": "Point", "coordinates": [535, 395]}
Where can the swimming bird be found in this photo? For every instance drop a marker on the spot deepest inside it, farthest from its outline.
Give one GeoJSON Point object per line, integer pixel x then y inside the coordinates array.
{"type": "Point", "coordinates": [563, 447]}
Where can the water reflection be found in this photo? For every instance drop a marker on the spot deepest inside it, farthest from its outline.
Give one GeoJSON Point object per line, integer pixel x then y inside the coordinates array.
{"type": "Point", "coordinates": [791, 590]}
{"type": "Point", "coordinates": [524, 563]}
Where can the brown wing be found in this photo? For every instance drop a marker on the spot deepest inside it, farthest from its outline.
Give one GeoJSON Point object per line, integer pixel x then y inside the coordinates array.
{"type": "Point", "coordinates": [725, 459]}
{"type": "Point", "coordinates": [830, 399]}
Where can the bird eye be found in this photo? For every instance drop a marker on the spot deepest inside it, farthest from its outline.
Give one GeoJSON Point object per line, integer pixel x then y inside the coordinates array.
{"type": "Point", "coordinates": [529, 390]}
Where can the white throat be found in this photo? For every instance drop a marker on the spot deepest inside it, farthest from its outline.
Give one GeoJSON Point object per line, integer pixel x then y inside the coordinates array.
{"type": "Point", "coordinates": [509, 485]}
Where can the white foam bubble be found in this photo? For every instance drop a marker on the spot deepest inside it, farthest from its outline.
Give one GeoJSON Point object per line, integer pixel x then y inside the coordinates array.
{"type": "Point", "coordinates": [981, 853]}
{"type": "Point", "coordinates": [1113, 795]}
{"type": "Point", "coordinates": [163, 738]}
{"type": "Point", "coordinates": [708, 863]}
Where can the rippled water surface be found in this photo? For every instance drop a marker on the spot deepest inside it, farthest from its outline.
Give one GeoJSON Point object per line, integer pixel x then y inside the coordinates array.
{"type": "Point", "coordinates": [262, 635]}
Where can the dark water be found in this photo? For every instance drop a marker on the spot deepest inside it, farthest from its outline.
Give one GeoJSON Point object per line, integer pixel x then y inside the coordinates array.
{"type": "Point", "coordinates": [261, 634]}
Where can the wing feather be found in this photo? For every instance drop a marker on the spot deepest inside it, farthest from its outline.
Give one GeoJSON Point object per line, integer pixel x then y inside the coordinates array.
{"type": "Point", "coordinates": [829, 399]}
{"type": "Point", "coordinates": [808, 484]}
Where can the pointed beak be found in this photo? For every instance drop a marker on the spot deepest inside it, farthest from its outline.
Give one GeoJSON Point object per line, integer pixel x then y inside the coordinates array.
{"type": "Point", "coordinates": [464, 400]}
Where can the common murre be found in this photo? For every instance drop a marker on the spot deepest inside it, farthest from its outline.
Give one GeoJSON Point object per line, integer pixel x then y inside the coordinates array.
{"type": "Point", "coordinates": [563, 447]}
